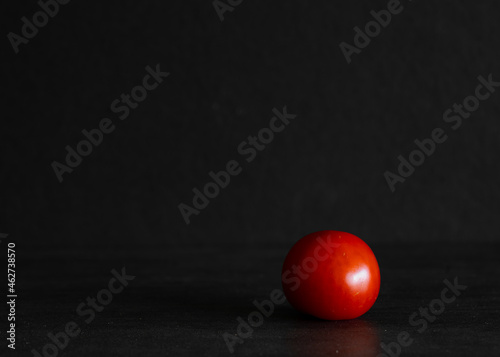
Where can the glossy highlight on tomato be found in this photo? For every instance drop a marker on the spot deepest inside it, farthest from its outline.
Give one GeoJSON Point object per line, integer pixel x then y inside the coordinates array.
{"type": "Point", "coordinates": [331, 275]}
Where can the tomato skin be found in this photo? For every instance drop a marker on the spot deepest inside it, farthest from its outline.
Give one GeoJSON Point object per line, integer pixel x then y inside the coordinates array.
{"type": "Point", "coordinates": [331, 275]}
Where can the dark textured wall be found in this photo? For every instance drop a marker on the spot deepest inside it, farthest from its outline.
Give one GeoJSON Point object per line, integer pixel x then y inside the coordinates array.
{"type": "Point", "coordinates": [325, 171]}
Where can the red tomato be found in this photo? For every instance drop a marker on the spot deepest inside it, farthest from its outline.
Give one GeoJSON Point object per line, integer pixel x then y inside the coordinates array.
{"type": "Point", "coordinates": [331, 275]}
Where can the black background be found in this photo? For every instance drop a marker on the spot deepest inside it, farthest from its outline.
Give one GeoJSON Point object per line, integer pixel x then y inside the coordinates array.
{"type": "Point", "coordinates": [119, 208]}
{"type": "Point", "coordinates": [325, 171]}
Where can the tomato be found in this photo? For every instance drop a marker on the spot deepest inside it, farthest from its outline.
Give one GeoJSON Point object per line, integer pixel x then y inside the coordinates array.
{"type": "Point", "coordinates": [331, 275]}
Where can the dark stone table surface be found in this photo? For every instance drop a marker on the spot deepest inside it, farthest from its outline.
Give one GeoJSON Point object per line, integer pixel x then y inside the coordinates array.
{"type": "Point", "coordinates": [182, 301]}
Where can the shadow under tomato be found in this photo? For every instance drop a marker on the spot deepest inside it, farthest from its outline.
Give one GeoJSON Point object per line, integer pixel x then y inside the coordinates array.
{"type": "Point", "coordinates": [314, 337]}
